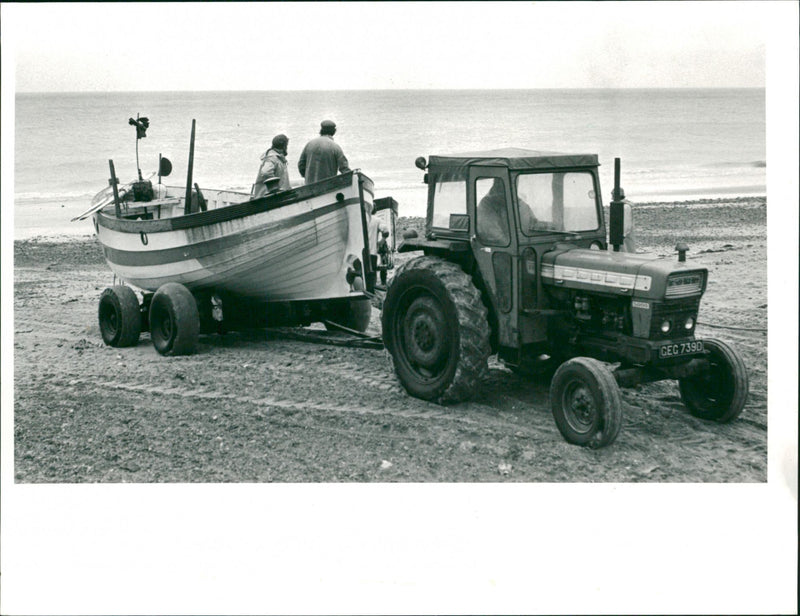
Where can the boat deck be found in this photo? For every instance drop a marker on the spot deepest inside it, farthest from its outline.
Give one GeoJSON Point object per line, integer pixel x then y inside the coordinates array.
{"type": "Point", "coordinates": [171, 207]}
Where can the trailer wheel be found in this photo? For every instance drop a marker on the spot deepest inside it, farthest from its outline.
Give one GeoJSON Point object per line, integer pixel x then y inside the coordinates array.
{"type": "Point", "coordinates": [586, 402]}
{"type": "Point", "coordinates": [119, 316]}
{"type": "Point", "coordinates": [436, 329]}
{"type": "Point", "coordinates": [354, 314]}
{"type": "Point", "coordinates": [174, 320]}
{"type": "Point", "coordinates": [720, 392]}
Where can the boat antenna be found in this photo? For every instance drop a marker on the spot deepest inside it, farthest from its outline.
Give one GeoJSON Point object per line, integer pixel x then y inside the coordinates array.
{"type": "Point", "coordinates": [141, 124]}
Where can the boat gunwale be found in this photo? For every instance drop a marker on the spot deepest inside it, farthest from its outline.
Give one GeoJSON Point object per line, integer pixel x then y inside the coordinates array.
{"type": "Point", "coordinates": [233, 211]}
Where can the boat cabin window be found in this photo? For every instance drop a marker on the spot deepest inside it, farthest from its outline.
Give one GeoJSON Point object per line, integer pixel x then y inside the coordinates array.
{"type": "Point", "coordinates": [565, 201]}
{"type": "Point", "coordinates": [450, 205]}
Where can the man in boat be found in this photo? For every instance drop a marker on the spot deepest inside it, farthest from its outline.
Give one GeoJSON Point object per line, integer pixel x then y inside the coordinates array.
{"type": "Point", "coordinates": [322, 157]}
{"type": "Point", "coordinates": [273, 175]}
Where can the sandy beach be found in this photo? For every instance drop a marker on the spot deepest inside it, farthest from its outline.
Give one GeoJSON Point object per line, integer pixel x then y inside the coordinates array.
{"type": "Point", "coordinates": [260, 407]}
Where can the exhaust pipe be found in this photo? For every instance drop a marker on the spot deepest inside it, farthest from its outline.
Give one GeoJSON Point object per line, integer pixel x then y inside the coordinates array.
{"type": "Point", "coordinates": [616, 218]}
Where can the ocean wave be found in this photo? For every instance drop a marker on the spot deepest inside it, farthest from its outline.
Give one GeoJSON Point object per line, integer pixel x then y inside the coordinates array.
{"type": "Point", "coordinates": [708, 171]}
{"type": "Point", "coordinates": [51, 235]}
{"type": "Point", "coordinates": [707, 201]}
{"type": "Point", "coordinates": [754, 163]}
{"type": "Point", "coordinates": [54, 196]}
{"type": "Point", "coordinates": [383, 186]}
{"type": "Point", "coordinates": [694, 193]}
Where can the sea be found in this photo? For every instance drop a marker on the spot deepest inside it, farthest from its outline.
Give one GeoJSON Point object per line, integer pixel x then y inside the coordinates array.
{"type": "Point", "coordinates": [674, 144]}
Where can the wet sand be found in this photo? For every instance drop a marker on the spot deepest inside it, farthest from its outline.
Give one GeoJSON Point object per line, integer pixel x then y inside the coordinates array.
{"type": "Point", "coordinates": [261, 408]}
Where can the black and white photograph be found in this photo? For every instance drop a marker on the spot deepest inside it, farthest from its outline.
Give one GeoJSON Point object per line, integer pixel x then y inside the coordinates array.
{"type": "Point", "coordinates": [399, 307]}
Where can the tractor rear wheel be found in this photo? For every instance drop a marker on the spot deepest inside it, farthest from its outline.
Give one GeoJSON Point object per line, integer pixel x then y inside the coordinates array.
{"type": "Point", "coordinates": [720, 392]}
{"type": "Point", "coordinates": [119, 316]}
{"type": "Point", "coordinates": [586, 402]}
{"type": "Point", "coordinates": [174, 320]}
{"type": "Point", "coordinates": [436, 329]}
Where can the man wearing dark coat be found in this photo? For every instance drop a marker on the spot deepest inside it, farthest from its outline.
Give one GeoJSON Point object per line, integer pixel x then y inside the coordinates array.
{"type": "Point", "coordinates": [322, 157]}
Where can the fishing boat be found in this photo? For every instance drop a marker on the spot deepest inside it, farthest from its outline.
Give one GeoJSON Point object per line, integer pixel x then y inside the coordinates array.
{"type": "Point", "coordinates": [208, 260]}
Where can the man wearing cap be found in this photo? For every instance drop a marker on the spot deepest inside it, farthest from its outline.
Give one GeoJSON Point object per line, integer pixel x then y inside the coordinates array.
{"type": "Point", "coordinates": [322, 157]}
{"type": "Point", "coordinates": [273, 175]}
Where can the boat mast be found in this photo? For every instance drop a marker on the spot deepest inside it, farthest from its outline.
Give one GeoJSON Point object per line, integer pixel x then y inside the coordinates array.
{"type": "Point", "coordinates": [187, 205]}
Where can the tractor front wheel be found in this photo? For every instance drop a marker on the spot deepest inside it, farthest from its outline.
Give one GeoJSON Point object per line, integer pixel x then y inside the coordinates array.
{"type": "Point", "coordinates": [720, 392]}
{"type": "Point", "coordinates": [436, 329]}
{"type": "Point", "coordinates": [174, 320]}
{"type": "Point", "coordinates": [586, 402]}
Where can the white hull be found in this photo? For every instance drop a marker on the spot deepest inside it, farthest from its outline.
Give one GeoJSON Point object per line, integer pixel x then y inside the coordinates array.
{"type": "Point", "coordinates": [294, 245]}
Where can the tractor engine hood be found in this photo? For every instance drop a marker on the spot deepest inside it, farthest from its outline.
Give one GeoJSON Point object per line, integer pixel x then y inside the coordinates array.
{"type": "Point", "coordinates": [621, 273]}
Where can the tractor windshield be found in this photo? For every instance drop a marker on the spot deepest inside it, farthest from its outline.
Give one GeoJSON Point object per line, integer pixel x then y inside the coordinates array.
{"type": "Point", "coordinates": [564, 201]}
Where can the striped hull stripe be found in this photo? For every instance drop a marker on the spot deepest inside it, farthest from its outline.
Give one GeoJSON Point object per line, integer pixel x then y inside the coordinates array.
{"type": "Point", "coordinates": [214, 246]}
{"type": "Point", "coordinates": [306, 261]}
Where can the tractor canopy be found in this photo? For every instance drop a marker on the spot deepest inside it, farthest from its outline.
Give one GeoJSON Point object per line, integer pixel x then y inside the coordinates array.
{"type": "Point", "coordinates": [512, 158]}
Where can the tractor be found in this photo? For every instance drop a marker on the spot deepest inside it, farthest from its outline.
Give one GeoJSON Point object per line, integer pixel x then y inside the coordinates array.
{"type": "Point", "coordinates": [517, 262]}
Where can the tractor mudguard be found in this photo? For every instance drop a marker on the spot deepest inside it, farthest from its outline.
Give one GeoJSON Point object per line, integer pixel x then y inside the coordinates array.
{"type": "Point", "coordinates": [434, 246]}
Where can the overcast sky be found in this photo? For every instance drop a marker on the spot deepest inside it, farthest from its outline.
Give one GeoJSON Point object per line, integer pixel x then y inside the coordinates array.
{"type": "Point", "coordinates": [301, 46]}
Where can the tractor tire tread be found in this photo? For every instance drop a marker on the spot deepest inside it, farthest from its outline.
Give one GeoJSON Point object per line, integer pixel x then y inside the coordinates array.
{"type": "Point", "coordinates": [610, 401]}
{"type": "Point", "coordinates": [473, 325]}
{"type": "Point", "coordinates": [741, 386]}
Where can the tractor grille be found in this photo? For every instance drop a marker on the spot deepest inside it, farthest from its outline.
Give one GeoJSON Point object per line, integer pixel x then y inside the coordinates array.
{"type": "Point", "coordinates": [675, 312]}
{"type": "Point", "coordinates": [684, 284]}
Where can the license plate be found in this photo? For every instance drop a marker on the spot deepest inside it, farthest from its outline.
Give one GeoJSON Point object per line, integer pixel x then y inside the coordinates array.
{"type": "Point", "coordinates": [679, 349]}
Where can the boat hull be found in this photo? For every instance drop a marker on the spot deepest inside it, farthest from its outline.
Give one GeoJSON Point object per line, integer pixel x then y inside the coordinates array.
{"type": "Point", "coordinates": [292, 245]}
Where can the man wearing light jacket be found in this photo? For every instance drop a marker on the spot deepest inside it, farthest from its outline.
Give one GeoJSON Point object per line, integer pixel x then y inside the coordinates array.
{"type": "Point", "coordinates": [322, 157]}
{"type": "Point", "coordinates": [273, 175]}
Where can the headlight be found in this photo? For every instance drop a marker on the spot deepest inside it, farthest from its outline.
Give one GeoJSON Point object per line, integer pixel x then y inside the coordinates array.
{"type": "Point", "coordinates": [689, 323]}
{"type": "Point", "coordinates": [665, 326]}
